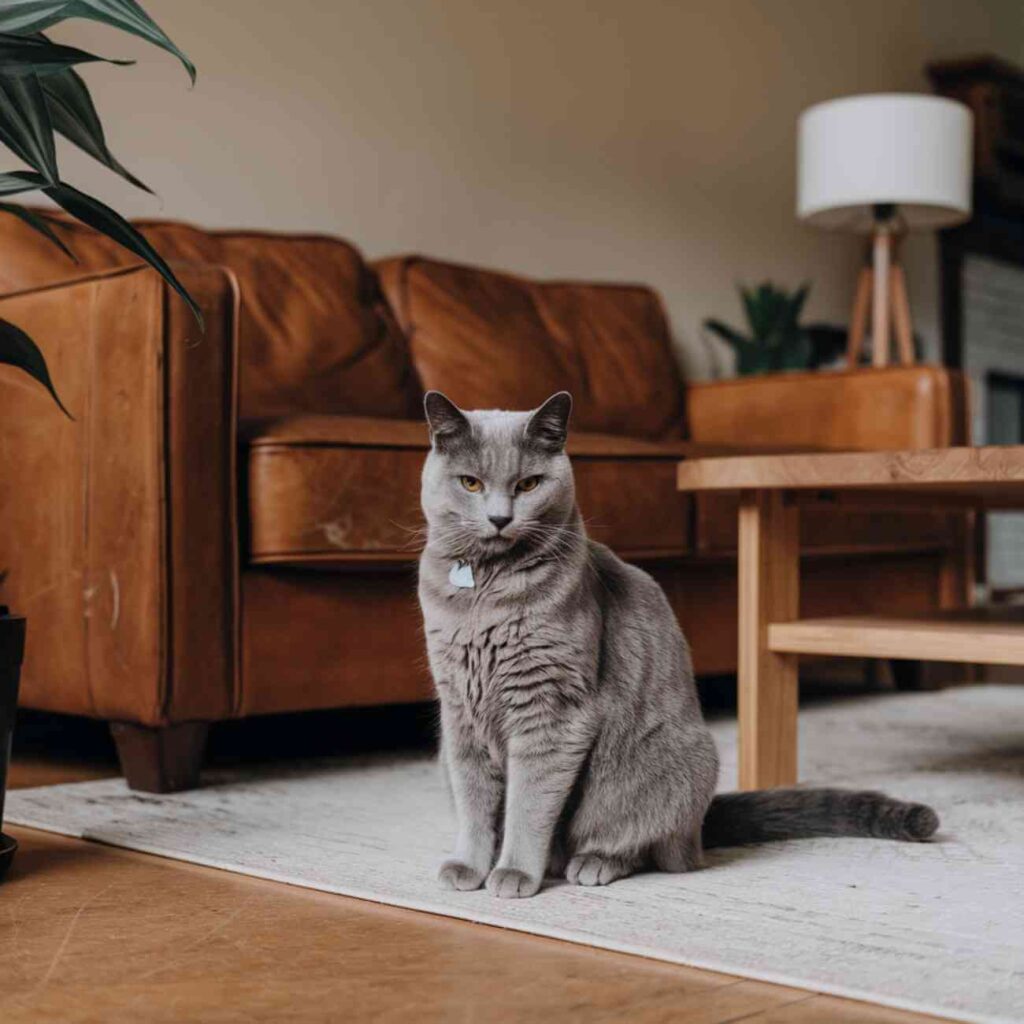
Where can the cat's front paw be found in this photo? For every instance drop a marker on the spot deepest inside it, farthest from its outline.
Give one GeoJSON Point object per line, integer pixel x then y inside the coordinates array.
{"type": "Point", "coordinates": [511, 883]}
{"type": "Point", "coordinates": [593, 869]}
{"type": "Point", "coordinates": [453, 874]}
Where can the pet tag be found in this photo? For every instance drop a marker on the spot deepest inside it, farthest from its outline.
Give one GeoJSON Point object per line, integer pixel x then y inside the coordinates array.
{"type": "Point", "coordinates": [461, 575]}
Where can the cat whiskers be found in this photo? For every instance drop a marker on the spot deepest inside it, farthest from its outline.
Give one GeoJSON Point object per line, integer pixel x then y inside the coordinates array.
{"type": "Point", "coordinates": [559, 542]}
{"type": "Point", "coordinates": [417, 536]}
{"type": "Point", "coordinates": [456, 539]}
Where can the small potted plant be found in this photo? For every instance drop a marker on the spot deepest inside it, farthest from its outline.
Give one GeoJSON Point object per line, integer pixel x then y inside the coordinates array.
{"type": "Point", "coordinates": [42, 95]}
{"type": "Point", "coordinates": [776, 340]}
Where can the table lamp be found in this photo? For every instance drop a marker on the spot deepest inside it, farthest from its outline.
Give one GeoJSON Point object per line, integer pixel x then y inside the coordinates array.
{"type": "Point", "coordinates": [883, 164]}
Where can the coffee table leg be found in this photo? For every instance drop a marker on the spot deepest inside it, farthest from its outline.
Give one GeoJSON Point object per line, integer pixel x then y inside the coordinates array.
{"type": "Point", "coordinates": [769, 591]}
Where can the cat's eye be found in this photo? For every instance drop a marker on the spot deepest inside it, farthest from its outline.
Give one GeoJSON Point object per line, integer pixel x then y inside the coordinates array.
{"type": "Point", "coordinates": [528, 483]}
{"type": "Point", "coordinates": [471, 483]}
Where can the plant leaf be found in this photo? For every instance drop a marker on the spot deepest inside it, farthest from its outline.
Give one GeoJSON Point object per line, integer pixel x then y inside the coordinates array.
{"type": "Point", "coordinates": [798, 300]}
{"type": "Point", "coordinates": [39, 223]}
{"type": "Point", "coordinates": [796, 353]}
{"type": "Point", "coordinates": [24, 16]}
{"type": "Point", "coordinates": [19, 15]}
{"type": "Point", "coordinates": [777, 306]}
{"type": "Point", "coordinates": [34, 55]}
{"type": "Point", "coordinates": [25, 126]}
{"type": "Point", "coordinates": [12, 182]}
{"type": "Point", "coordinates": [753, 304]}
{"type": "Point", "coordinates": [727, 333]}
{"type": "Point", "coordinates": [748, 304]}
{"type": "Point", "coordinates": [101, 217]}
{"type": "Point", "coordinates": [752, 360]}
{"type": "Point", "coordinates": [73, 114]}
{"type": "Point", "coordinates": [18, 349]}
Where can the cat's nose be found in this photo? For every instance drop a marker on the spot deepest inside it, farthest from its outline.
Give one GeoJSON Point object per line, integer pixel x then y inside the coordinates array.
{"type": "Point", "coordinates": [500, 522]}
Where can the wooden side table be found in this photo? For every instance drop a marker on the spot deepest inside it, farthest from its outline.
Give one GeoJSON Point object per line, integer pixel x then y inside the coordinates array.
{"type": "Point", "coordinates": [773, 488]}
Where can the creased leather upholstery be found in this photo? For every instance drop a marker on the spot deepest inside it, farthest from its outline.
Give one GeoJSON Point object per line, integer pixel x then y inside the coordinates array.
{"type": "Point", "coordinates": [314, 332]}
{"type": "Point", "coordinates": [490, 340]}
{"type": "Point", "coordinates": [868, 409]}
{"type": "Point", "coordinates": [339, 490]}
{"type": "Point", "coordinates": [119, 529]}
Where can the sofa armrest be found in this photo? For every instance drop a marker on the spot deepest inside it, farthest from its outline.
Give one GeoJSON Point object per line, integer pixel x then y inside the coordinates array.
{"type": "Point", "coordinates": [894, 407]}
{"type": "Point", "coordinates": [118, 530]}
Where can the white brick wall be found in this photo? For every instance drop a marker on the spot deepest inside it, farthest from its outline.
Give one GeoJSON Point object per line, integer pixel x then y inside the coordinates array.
{"type": "Point", "coordinates": [993, 342]}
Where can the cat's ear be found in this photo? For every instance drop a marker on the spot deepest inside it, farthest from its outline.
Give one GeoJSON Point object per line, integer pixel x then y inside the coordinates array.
{"type": "Point", "coordinates": [446, 420]}
{"type": "Point", "coordinates": [548, 427]}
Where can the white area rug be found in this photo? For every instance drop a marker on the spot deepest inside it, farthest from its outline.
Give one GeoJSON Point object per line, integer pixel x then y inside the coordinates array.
{"type": "Point", "coordinates": [936, 927]}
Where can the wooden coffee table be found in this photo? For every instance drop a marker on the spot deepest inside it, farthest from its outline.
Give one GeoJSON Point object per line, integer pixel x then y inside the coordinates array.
{"type": "Point", "coordinates": [772, 489]}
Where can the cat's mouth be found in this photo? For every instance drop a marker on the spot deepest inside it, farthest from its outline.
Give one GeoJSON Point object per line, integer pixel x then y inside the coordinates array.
{"type": "Point", "coordinates": [497, 541]}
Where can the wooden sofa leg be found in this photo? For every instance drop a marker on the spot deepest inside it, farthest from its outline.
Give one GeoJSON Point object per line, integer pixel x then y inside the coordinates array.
{"type": "Point", "coordinates": [160, 760]}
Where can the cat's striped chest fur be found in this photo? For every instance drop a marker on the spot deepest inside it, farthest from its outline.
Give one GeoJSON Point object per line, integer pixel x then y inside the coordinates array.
{"type": "Point", "coordinates": [504, 673]}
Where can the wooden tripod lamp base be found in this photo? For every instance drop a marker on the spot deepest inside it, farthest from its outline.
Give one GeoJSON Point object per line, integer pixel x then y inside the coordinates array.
{"type": "Point", "coordinates": [887, 163]}
{"type": "Point", "coordinates": [882, 288]}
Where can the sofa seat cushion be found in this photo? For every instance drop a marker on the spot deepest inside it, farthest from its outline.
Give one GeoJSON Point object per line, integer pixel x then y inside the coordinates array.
{"type": "Point", "coordinates": [490, 340]}
{"type": "Point", "coordinates": [336, 491]}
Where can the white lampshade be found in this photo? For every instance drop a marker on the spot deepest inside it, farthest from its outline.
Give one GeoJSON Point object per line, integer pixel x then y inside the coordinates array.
{"type": "Point", "coordinates": [914, 151]}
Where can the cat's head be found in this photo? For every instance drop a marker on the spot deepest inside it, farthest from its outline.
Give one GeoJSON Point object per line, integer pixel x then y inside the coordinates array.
{"type": "Point", "coordinates": [495, 480]}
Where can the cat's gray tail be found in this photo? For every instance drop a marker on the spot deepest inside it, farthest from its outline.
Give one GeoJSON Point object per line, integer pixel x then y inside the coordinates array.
{"type": "Point", "coordinates": [735, 819]}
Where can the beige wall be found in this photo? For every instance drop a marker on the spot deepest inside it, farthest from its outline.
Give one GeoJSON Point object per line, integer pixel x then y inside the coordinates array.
{"type": "Point", "coordinates": [636, 139]}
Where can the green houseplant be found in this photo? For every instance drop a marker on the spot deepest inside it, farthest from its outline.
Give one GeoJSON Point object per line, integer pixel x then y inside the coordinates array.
{"type": "Point", "coordinates": [776, 341]}
{"type": "Point", "coordinates": [42, 95]}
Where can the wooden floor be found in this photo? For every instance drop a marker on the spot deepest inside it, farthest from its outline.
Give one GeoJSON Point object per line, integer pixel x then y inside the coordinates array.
{"type": "Point", "coordinates": [91, 933]}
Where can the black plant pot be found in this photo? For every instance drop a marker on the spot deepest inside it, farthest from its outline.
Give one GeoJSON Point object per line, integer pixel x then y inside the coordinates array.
{"type": "Point", "coordinates": [12, 646]}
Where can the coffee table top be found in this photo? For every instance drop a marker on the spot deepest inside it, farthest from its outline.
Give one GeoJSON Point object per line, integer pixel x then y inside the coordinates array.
{"type": "Point", "coordinates": [990, 477]}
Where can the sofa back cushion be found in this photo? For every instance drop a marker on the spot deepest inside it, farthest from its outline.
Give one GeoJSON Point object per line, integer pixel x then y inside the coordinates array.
{"type": "Point", "coordinates": [492, 340]}
{"type": "Point", "coordinates": [315, 334]}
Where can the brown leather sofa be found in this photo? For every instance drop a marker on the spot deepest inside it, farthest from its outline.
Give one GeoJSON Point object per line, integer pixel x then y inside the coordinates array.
{"type": "Point", "coordinates": [229, 525]}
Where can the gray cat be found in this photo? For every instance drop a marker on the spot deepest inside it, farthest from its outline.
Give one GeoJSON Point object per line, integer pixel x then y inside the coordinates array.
{"type": "Point", "coordinates": [571, 732]}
